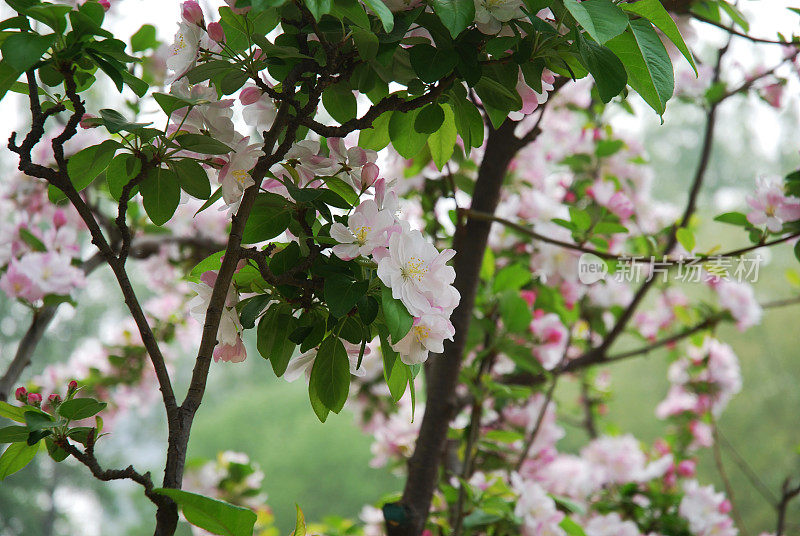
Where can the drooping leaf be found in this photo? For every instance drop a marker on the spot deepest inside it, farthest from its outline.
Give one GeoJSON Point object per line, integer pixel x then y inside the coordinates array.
{"type": "Point", "coordinates": [647, 63]}
{"type": "Point", "coordinates": [442, 142]}
{"type": "Point", "coordinates": [160, 195]}
{"type": "Point", "coordinates": [397, 318]}
{"type": "Point", "coordinates": [215, 516]}
{"type": "Point", "coordinates": [601, 18]}
{"type": "Point", "coordinates": [330, 374]}
{"type": "Point", "coordinates": [654, 11]}
{"type": "Point", "coordinates": [606, 69]}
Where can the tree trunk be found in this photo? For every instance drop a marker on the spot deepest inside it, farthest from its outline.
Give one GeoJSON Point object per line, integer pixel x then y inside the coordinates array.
{"type": "Point", "coordinates": [407, 518]}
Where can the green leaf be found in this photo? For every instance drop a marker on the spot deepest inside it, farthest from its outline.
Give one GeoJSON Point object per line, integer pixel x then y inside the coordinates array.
{"type": "Point", "coordinates": [37, 420]}
{"type": "Point", "coordinates": [8, 75]}
{"type": "Point", "coordinates": [200, 143]}
{"type": "Point", "coordinates": [456, 15]}
{"type": "Point", "coordinates": [15, 413]}
{"type": "Point", "coordinates": [80, 408]}
{"type": "Point", "coordinates": [144, 38]}
{"type": "Point", "coordinates": [442, 142]}
{"type": "Point", "coordinates": [394, 371]}
{"type": "Point", "coordinates": [13, 434]}
{"type": "Point", "coordinates": [339, 102]}
{"type": "Point", "coordinates": [56, 453]}
{"type": "Point", "coordinates": [397, 318]}
{"type": "Point", "coordinates": [342, 293]}
{"type": "Point", "coordinates": [736, 16]}
{"type": "Point", "coordinates": [212, 515]}
{"type": "Point", "coordinates": [429, 119]}
{"type": "Point", "coordinates": [160, 195]}
{"type": "Point", "coordinates": [122, 169]}
{"type": "Point", "coordinates": [606, 68]}
{"type": "Point", "coordinates": [330, 374]}
{"type": "Point", "coordinates": [685, 238]}
{"type": "Point", "coordinates": [515, 312]}
{"type": "Point", "coordinates": [580, 218]}
{"type": "Point", "coordinates": [353, 11]}
{"type": "Point", "coordinates": [377, 137]}
{"type": "Point", "coordinates": [571, 527]}
{"type": "Point", "coordinates": [497, 95]}
{"type": "Point", "coordinates": [600, 18]}
{"type": "Point", "coordinates": [405, 139]}
{"type": "Point", "coordinates": [366, 43]}
{"type": "Point", "coordinates": [192, 178]}
{"type": "Point", "coordinates": [84, 166]}
{"type": "Point", "coordinates": [273, 341]}
{"type": "Point", "coordinates": [432, 64]}
{"type": "Point", "coordinates": [270, 217]}
{"type": "Point", "coordinates": [251, 308]}
{"type": "Point", "coordinates": [646, 62]}
{"type": "Point", "coordinates": [31, 240]}
{"type": "Point", "coordinates": [300, 524]}
{"type": "Point", "coordinates": [170, 103]}
{"type": "Point", "coordinates": [116, 122]}
{"type": "Point", "coordinates": [654, 11]}
{"type": "Point", "coordinates": [320, 410]}
{"type": "Point", "coordinates": [22, 50]}
{"type": "Point", "coordinates": [318, 8]}
{"type": "Point", "coordinates": [468, 122]}
{"type": "Point", "coordinates": [16, 456]}
{"type": "Point", "coordinates": [733, 218]}
{"type": "Point", "coordinates": [511, 277]}
{"type": "Point", "coordinates": [383, 13]}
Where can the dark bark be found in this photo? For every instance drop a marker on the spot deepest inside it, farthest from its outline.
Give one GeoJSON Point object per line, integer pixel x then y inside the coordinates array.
{"type": "Point", "coordinates": [408, 517]}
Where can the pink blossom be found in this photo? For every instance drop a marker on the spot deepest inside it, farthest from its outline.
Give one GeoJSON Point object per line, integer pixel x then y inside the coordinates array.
{"type": "Point", "coordinates": [191, 12]}
{"type": "Point", "coordinates": [739, 299]}
{"type": "Point", "coordinates": [18, 285]}
{"type": "Point", "coordinates": [610, 525]}
{"type": "Point", "coordinates": [771, 206]}
{"type": "Point", "coordinates": [551, 337]}
{"type": "Point", "coordinates": [366, 230]}
{"type": "Point", "coordinates": [235, 353]}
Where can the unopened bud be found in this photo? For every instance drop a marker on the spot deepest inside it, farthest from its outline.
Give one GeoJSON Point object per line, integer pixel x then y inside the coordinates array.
{"type": "Point", "coordinates": [21, 394]}
{"type": "Point", "coordinates": [215, 32]}
{"type": "Point", "coordinates": [34, 399]}
{"type": "Point", "coordinates": [72, 387]}
{"type": "Point", "coordinates": [191, 12]}
{"type": "Point", "coordinates": [105, 3]}
{"type": "Point", "coordinates": [249, 95]}
{"type": "Point", "coordinates": [687, 468]}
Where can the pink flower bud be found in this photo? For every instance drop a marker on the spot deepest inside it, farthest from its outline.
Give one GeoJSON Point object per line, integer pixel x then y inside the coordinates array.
{"type": "Point", "coordinates": [369, 174]}
{"type": "Point", "coordinates": [105, 3]}
{"type": "Point", "coordinates": [250, 95]}
{"type": "Point", "coordinates": [72, 387]}
{"type": "Point", "coordinates": [191, 12]}
{"type": "Point", "coordinates": [34, 399]}
{"type": "Point", "coordinates": [670, 479]}
{"type": "Point", "coordinates": [725, 506]}
{"type": "Point", "coordinates": [687, 468]}
{"type": "Point", "coordinates": [89, 121]}
{"type": "Point", "coordinates": [54, 399]}
{"type": "Point", "coordinates": [21, 394]}
{"type": "Point", "coordinates": [215, 32]}
{"type": "Point", "coordinates": [59, 219]}
{"type": "Point", "coordinates": [529, 296]}
{"type": "Point", "coordinates": [661, 446]}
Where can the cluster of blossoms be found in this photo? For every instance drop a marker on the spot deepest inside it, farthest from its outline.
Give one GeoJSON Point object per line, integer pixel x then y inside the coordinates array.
{"type": "Point", "coordinates": [415, 271]}
{"type": "Point", "coordinates": [230, 346]}
{"type": "Point", "coordinates": [39, 243]}
{"type": "Point", "coordinates": [702, 383]}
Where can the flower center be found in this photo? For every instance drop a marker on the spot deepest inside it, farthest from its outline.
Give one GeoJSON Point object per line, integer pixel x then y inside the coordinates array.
{"type": "Point", "coordinates": [422, 333]}
{"type": "Point", "coordinates": [414, 269]}
{"type": "Point", "coordinates": [361, 234]}
{"type": "Point", "coordinates": [240, 175]}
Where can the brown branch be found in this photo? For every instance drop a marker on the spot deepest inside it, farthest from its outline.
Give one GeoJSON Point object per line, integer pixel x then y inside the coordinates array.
{"type": "Point", "coordinates": [87, 458]}
{"type": "Point", "coordinates": [788, 493]}
{"type": "Point", "coordinates": [725, 480]}
{"type": "Point", "coordinates": [737, 33]}
{"type": "Point", "coordinates": [391, 103]}
{"type": "Point", "coordinates": [526, 449]}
